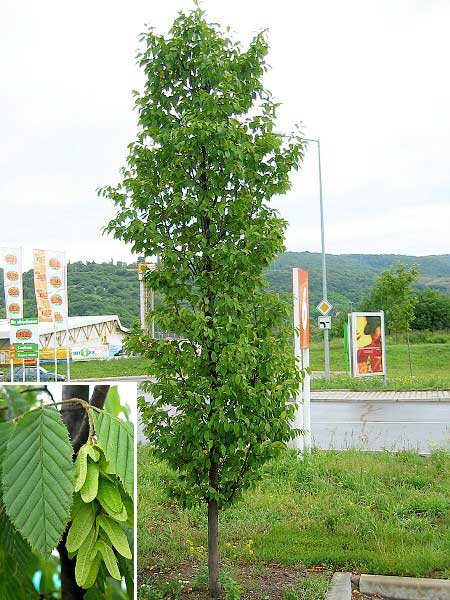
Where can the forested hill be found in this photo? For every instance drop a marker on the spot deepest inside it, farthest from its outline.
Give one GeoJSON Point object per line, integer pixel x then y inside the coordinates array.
{"type": "Point", "coordinates": [108, 288]}
{"type": "Point", "coordinates": [350, 276]}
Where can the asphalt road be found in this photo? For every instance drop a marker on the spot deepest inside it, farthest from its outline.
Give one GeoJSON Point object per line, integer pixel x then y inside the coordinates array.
{"type": "Point", "coordinates": [379, 420]}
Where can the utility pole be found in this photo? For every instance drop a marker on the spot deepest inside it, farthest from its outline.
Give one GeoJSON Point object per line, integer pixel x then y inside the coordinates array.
{"type": "Point", "coordinates": [324, 261]}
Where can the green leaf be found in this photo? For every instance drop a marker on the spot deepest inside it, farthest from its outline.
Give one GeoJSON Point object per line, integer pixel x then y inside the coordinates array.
{"type": "Point", "coordinates": [84, 556]}
{"type": "Point", "coordinates": [115, 437]}
{"type": "Point", "coordinates": [38, 478]}
{"type": "Point", "coordinates": [80, 528]}
{"type": "Point", "coordinates": [109, 559]}
{"type": "Point", "coordinates": [116, 535]}
{"type": "Point", "coordinates": [90, 486]}
{"type": "Point", "coordinates": [13, 543]}
{"type": "Point", "coordinates": [109, 495]}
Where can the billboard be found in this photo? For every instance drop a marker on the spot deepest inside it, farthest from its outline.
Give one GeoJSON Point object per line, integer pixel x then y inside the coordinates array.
{"type": "Point", "coordinates": [368, 344]}
{"type": "Point", "coordinates": [24, 336]}
{"type": "Point", "coordinates": [12, 282]}
{"type": "Point", "coordinates": [89, 352]}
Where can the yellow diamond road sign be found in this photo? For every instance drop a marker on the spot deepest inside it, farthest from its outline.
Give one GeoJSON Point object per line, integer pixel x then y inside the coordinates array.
{"type": "Point", "coordinates": [324, 307]}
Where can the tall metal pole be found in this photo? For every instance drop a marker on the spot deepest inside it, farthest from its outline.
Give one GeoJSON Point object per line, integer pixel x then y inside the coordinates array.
{"type": "Point", "coordinates": [324, 267]}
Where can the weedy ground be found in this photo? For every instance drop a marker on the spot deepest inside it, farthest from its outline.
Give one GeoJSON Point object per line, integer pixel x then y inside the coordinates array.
{"type": "Point", "coordinates": [365, 512]}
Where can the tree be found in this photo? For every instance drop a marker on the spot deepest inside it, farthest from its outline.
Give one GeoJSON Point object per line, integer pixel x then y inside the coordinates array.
{"type": "Point", "coordinates": [432, 310]}
{"type": "Point", "coordinates": [206, 161]}
{"type": "Point", "coordinates": [393, 293]}
{"type": "Point", "coordinates": [39, 511]}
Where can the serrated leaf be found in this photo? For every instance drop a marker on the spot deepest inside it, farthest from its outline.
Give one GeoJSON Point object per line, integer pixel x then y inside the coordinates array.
{"type": "Point", "coordinates": [5, 433]}
{"type": "Point", "coordinates": [115, 437]}
{"type": "Point", "coordinates": [13, 543]}
{"type": "Point", "coordinates": [80, 528]}
{"type": "Point", "coordinates": [38, 478]}
{"type": "Point", "coordinates": [90, 487]}
{"type": "Point", "coordinates": [116, 535]}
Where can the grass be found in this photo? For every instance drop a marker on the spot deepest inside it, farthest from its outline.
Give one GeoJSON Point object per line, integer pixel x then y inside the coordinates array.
{"type": "Point", "coordinates": [375, 513]}
{"type": "Point", "coordinates": [431, 368]}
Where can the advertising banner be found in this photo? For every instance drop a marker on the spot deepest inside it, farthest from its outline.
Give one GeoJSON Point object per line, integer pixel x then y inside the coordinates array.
{"type": "Point", "coordinates": [89, 352]}
{"type": "Point", "coordinates": [56, 284]}
{"type": "Point", "coordinates": [368, 344]}
{"type": "Point", "coordinates": [24, 336]}
{"type": "Point", "coordinates": [301, 305]}
{"type": "Point", "coordinates": [50, 285]}
{"type": "Point", "coordinates": [40, 286]}
{"type": "Point", "coordinates": [12, 282]}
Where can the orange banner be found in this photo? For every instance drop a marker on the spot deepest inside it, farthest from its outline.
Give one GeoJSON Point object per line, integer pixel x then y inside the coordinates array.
{"type": "Point", "coordinates": [303, 306]}
{"type": "Point", "coordinates": [45, 313]}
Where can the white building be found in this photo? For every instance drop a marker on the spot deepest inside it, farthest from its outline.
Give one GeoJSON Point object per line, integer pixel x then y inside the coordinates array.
{"type": "Point", "coordinates": [104, 330]}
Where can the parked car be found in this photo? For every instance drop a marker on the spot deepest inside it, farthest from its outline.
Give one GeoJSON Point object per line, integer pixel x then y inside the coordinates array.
{"type": "Point", "coordinates": [2, 376]}
{"type": "Point", "coordinates": [31, 375]}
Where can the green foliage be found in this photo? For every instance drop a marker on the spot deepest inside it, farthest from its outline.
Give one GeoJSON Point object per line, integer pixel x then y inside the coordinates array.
{"type": "Point", "coordinates": [38, 478]}
{"type": "Point", "coordinates": [432, 310]}
{"type": "Point", "coordinates": [393, 293]}
{"type": "Point", "coordinates": [206, 161]}
{"type": "Point", "coordinates": [229, 585]}
{"type": "Point", "coordinates": [115, 438]}
{"type": "Point", "coordinates": [95, 535]}
{"type": "Point", "coordinates": [94, 289]}
{"type": "Point", "coordinates": [36, 504]}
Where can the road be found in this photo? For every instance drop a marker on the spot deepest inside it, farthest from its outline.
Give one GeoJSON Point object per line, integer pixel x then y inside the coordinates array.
{"type": "Point", "coordinates": [379, 420]}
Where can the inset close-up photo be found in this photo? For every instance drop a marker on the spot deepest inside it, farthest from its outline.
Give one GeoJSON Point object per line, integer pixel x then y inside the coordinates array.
{"type": "Point", "coordinates": [67, 491]}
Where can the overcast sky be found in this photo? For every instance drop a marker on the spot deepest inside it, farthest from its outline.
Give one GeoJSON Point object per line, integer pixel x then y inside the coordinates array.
{"type": "Point", "coordinates": [369, 78]}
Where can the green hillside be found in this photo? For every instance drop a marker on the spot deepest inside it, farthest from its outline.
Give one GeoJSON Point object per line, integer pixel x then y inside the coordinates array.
{"type": "Point", "coordinates": [108, 288]}
{"type": "Point", "coordinates": [350, 276]}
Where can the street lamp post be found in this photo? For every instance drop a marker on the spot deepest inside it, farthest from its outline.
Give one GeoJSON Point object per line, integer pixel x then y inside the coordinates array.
{"type": "Point", "coordinates": [324, 261]}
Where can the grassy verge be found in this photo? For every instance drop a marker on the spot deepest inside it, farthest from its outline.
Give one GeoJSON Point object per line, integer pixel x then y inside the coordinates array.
{"type": "Point", "coordinates": [431, 368]}
{"type": "Point", "coordinates": [377, 513]}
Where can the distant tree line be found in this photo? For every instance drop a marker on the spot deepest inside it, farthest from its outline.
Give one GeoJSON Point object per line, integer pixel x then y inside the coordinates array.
{"type": "Point", "coordinates": [113, 288]}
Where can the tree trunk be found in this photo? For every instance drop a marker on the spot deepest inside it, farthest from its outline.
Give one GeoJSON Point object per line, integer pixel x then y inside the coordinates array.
{"type": "Point", "coordinates": [69, 588]}
{"type": "Point", "coordinates": [213, 550]}
{"type": "Point", "coordinates": [409, 354]}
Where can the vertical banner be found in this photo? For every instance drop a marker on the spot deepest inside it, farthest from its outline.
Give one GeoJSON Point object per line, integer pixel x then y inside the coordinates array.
{"type": "Point", "coordinates": [12, 282]}
{"type": "Point", "coordinates": [300, 288]}
{"type": "Point", "coordinates": [51, 293]}
{"type": "Point", "coordinates": [55, 270]}
{"type": "Point", "coordinates": [45, 314]}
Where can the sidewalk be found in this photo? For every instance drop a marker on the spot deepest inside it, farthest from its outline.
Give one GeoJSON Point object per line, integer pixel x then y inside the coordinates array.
{"type": "Point", "coordinates": [380, 396]}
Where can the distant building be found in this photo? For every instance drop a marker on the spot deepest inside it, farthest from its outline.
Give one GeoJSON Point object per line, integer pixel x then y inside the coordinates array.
{"type": "Point", "coordinates": [104, 333]}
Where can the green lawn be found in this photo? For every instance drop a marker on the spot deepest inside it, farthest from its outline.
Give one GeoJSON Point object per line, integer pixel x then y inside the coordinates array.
{"type": "Point", "coordinates": [374, 513]}
{"type": "Point", "coordinates": [431, 368]}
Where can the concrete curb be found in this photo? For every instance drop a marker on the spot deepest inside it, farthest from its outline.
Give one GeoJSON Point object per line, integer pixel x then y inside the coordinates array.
{"type": "Point", "coordinates": [405, 588]}
{"type": "Point", "coordinates": [340, 587]}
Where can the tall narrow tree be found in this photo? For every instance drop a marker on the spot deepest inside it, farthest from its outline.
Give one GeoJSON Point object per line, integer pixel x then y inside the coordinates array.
{"type": "Point", "coordinates": [196, 192]}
